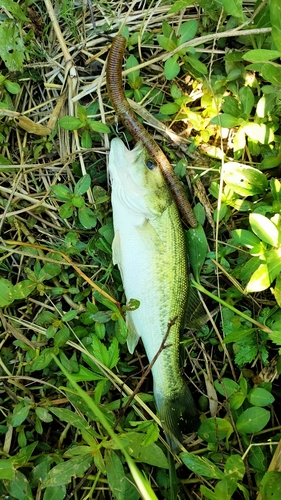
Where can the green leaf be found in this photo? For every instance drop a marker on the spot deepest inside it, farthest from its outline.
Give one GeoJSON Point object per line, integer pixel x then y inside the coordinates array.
{"type": "Point", "coordinates": [252, 420]}
{"type": "Point", "coordinates": [245, 238]}
{"type": "Point", "coordinates": [233, 8]}
{"type": "Point", "coordinates": [275, 18]}
{"type": "Point", "coordinates": [119, 483]}
{"type": "Point", "coordinates": [261, 55]}
{"type": "Point", "coordinates": [86, 140]}
{"type": "Point", "coordinates": [179, 5]}
{"type": "Point", "coordinates": [113, 353]}
{"type": "Point", "coordinates": [238, 334]}
{"type": "Point", "coordinates": [226, 387]}
{"type": "Point", "coordinates": [61, 337]}
{"type": "Point", "coordinates": [170, 108]}
{"type": "Point", "coordinates": [271, 73]}
{"type": "Point", "coordinates": [12, 87]}
{"type": "Point", "coordinates": [66, 210]}
{"type": "Point", "coordinates": [6, 292]}
{"type": "Point", "coordinates": [259, 132]}
{"type": "Point", "coordinates": [11, 46]}
{"type": "Point", "coordinates": [197, 65]}
{"type": "Point", "coordinates": [73, 418]}
{"type": "Point", "coordinates": [99, 127]}
{"type": "Point", "coordinates": [264, 228]}
{"type": "Point", "coordinates": [23, 289]}
{"type": "Point", "coordinates": [214, 429]}
{"type": "Point", "coordinates": [197, 249]}
{"type": "Point", "coordinates": [62, 473]}
{"type": "Point", "coordinates": [43, 360]}
{"type": "Point", "coordinates": [171, 67]}
{"type": "Point", "coordinates": [15, 9]}
{"type": "Point", "coordinates": [43, 414]}
{"type": "Point", "coordinates": [19, 487]}
{"type": "Point", "coordinates": [270, 485]}
{"type": "Point", "coordinates": [61, 192]}
{"type": "Point", "coordinates": [188, 30]}
{"type": "Point", "coordinates": [247, 100]}
{"type": "Point", "coordinates": [235, 467]}
{"type": "Point", "coordinates": [82, 185]}
{"type": "Point", "coordinates": [7, 470]}
{"type": "Point", "coordinates": [260, 280]}
{"type": "Point", "coordinates": [55, 493]}
{"type": "Point", "coordinates": [225, 120]}
{"type": "Point", "coordinates": [260, 397]}
{"type": "Point", "coordinates": [70, 123]}
{"type": "Point", "coordinates": [230, 106]}
{"type": "Point", "coordinates": [201, 466]}
{"type": "Point", "coordinates": [166, 43]}
{"type": "Point", "coordinates": [133, 75]}
{"type": "Point", "coordinates": [244, 180]}
{"type": "Point", "coordinates": [87, 218]}
{"type": "Point", "coordinates": [20, 414]}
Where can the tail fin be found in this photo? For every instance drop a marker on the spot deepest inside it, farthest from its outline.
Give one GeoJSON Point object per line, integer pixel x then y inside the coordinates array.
{"type": "Point", "coordinates": [178, 413]}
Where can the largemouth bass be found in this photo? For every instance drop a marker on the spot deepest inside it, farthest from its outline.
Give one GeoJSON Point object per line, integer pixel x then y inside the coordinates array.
{"type": "Point", "coordinates": [149, 249]}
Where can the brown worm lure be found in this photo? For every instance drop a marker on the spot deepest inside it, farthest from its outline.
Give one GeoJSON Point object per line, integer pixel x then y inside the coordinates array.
{"type": "Point", "coordinates": [137, 130]}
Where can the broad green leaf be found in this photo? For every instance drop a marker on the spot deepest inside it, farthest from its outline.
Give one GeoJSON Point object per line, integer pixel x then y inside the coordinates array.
{"type": "Point", "coordinates": [20, 414]}
{"type": "Point", "coordinates": [43, 360]}
{"type": "Point", "coordinates": [209, 494]}
{"type": "Point", "coordinates": [99, 127]}
{"type": "Point", "coordinates": [188, 30]}
{"type": "Point", "coordinates": [264, 228]}
{"type": "Point", "coordinates": [226, 387]}
{"type": "Point", "coordinates": [43, 414]}
{"type": "Point", "coordinates": [233, 8]}
{"type": "Point", "coordinates": [7, 470]}
{"type": "Point", "coordinates": [273, 261]}
{"type": "Point", "coordinates": [70, 123]}
{"type": "Point", "coordinates": [166, 43]}
{"type": "Point", "coordinates": [82, 185]}
{"type": "Point", "coordinates": [61, 192]}
{"type": "Point", "coordinates": [19, 487]}
{"type": "Point", "coordinates": [257, 458]}
{"type": "Point", "coordinates": [23, 289]}
{"type": "Point", "coordinates": [259, 132]}
{"type": "Point", "coordinates": [259, 281]}
{"type": "Point", "coordinates": [11, 46]}
{"type": "Point", "coordinates": [225, 120]}
{"type": "Point", "coordinates": [238, 334]}
{"type": "Point", "coordinates": [73, 418]}
{"type": "Point", "coordinates": [261, 55]}
{"type": "Point", "coordinates": [61, 337]}
{"type": "Point", "coordinates": [119, 482]}
{"type": "Point", "coordinates": [12, 87]}
{"type": "Point", "coordinates": [201, 466]}
{"type": "Point", "coordinates": [275, 17]}
{"type": "Point", "coordinates": [245, 238]}
{"type": "Point", "coordinates": [55, 493]}
{"type": "Point", "coordinates": [235, 467]}
{"type": "Point", "coordinates": [270, 485]}
{"type": "Point", "coordinates": [87, 217]}
{"type": "Point", "coordinates": [131, 63]}
{"type": "Point", "coordinates": [66, 210]}
{"type": "Point", "coordinates": [179, 5]}
{"type": "Point", "coordinates": [150, 454]}
{"type": "Point", "coordinates": [86, 140]}
{"type": "Point", "coordinates": [6, 292]}
{"type": "Point", "coordinates": [271, 73]}
{"type": "Point", "coordinates": [169, 108]}
{"type": "Point", "coordinates": [252, 420]}
{"type": "Point", "coordinates": [247, 100]}
{"type": "Point", "coordinates": [260, 397]}
{"type": "Point", "coordinates": [230, 106]}
{"type": "Point", "coordinates": [244, 180]}
{"type": "Point", "coordinates": [197, 65]}
{"type": "Point", "coordinates": [171, 67]}
{"type": "Point", "coordinates": [277, 290]}
{"type": "Point", "coordinates": [86, 375]}
{"type": "Point", "coordinates": [197, 249]}
{"type": "Point", "coordinates": [214, 429]}
{"type": "Point", "coordinates": [62, 473]}
{"type": "Point", "coordinates": [15, 9]}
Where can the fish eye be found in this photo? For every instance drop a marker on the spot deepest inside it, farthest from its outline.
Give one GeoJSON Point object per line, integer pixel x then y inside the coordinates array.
{"type": "Point", "coordinates": [150, 164]}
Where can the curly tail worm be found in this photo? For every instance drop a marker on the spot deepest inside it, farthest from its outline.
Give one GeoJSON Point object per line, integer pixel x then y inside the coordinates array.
{"type": "Point", "coordinates": [137, 130]}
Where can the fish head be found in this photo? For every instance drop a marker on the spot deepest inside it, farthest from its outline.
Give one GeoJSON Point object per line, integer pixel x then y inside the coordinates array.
{"type": "Point", "coordinates": [137, 180]}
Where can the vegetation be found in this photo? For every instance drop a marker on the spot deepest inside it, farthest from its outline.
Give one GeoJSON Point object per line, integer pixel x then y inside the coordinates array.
{"type": "Point", "coordinates": [207, 75]}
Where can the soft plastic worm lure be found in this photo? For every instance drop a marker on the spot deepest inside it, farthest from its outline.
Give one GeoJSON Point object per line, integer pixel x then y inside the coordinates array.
{"type": "Point", "coordinates": [137, 130]}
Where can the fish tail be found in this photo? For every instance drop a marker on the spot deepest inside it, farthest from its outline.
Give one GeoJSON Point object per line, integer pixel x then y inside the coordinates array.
{"type": "Point", "coordinates": [178, 414]}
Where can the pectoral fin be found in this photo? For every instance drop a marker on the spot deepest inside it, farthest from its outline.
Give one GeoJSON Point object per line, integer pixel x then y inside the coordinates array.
{"type": "Point", "coordinates": [116, 249]}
